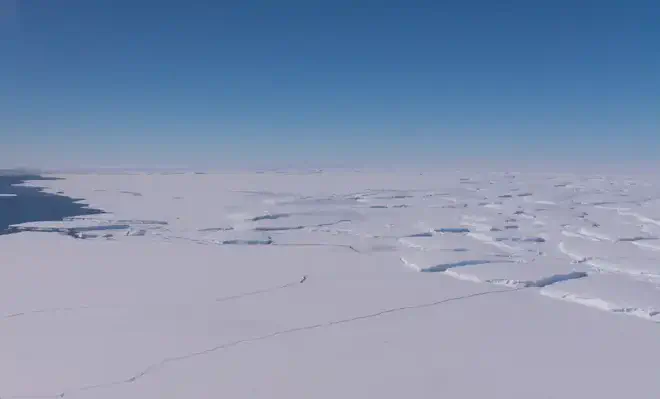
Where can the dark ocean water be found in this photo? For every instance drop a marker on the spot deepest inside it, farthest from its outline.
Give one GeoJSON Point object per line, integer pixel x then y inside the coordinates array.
{"type": "Point", "coordinates": [33, 205]}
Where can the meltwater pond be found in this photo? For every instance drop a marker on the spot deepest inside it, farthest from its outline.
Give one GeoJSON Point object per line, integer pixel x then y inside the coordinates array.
{"type": "Point", "coordinates": [29, 204]}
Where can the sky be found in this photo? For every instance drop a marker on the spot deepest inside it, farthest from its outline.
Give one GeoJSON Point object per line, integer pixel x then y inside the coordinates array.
{"type": "Point", "coordinates": [210, 84]}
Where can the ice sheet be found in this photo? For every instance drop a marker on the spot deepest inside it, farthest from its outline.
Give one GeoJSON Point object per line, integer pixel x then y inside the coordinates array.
{"type": "Point", "coordinates": [342, 284]}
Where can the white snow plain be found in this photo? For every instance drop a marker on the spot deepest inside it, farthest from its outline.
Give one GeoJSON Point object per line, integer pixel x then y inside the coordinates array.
{"type": "Point", "coordinates": [342, 284]}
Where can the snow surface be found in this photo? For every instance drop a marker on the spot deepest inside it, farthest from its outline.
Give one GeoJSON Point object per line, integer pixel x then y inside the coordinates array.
{"type": "Point", "coordinates": [342, 284]}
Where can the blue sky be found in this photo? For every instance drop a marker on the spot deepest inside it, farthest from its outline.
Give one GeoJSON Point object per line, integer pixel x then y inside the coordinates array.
{"type": "Point", "coordinates": [215, 83]}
